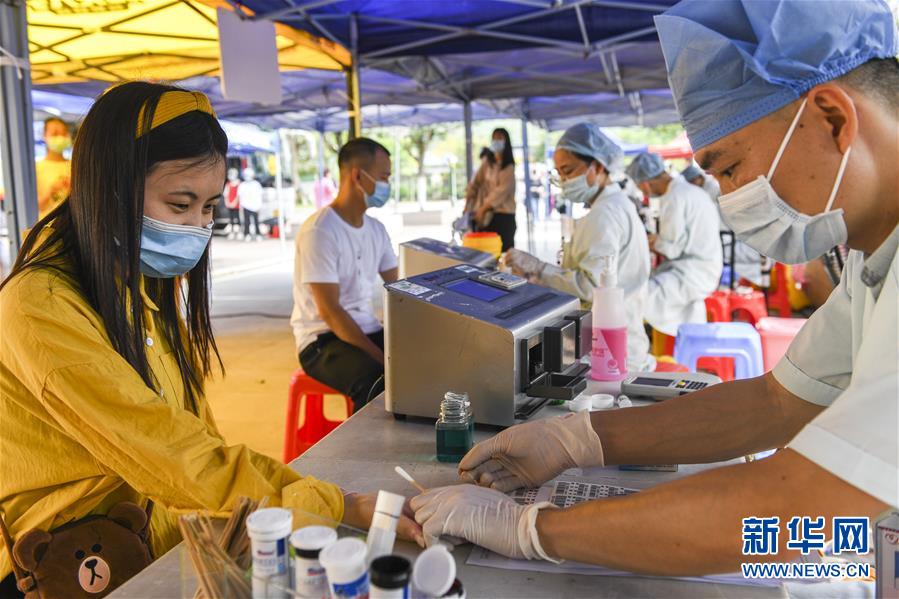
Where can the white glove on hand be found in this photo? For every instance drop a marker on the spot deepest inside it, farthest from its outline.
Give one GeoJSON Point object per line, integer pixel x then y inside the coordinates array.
{"type": "Point", "coordinates": [530, 454]}
{"type": "Point", "coordinates": [523, 264]}
{"type": "Point", "coordinates": [482, 516]}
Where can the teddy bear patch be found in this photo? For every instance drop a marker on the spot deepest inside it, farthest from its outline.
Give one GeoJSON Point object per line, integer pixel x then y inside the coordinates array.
{"type": "Point", "coordinates": [89, 558]}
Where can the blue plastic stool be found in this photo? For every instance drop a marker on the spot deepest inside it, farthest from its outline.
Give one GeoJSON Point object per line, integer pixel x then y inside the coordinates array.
{"type": "Point", "coordinates": [727, 275]}
{"type": "Point", "coordinates": [738, 340]}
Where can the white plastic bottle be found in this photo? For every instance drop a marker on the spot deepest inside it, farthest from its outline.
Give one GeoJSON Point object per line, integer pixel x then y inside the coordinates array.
{"type": "Point", "coordinates": [269, 529]}
{"type": "Point", "coordinates": [309, 578]}
{"type": "Point", "coordinates": [382, 533]}
{"type": "Point", "coordinates": [345, 565]}
{"type": "Point", "coordinates": [608, 357]}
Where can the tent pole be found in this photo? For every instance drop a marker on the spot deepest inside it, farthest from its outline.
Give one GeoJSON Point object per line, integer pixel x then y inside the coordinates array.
{"type": "Point", "coordinates": [354, 103]}
{"type": "Point", "coordinates": [279, 189]}
{"type": "Point", "coordinates": [469, 158]}
{"type": "Point", "coordinates": [397, 167]}
{"type": "Point", "coordinates": [16, 132]}
{"type": "Point", "coordinates": [525, 151]}
{"type": "Point", "coordinates": [320, 147]}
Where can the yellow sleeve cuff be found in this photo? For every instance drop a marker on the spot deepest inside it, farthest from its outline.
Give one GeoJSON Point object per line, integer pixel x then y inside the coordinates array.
{"type": "Point", "coordinates": [313, 502]}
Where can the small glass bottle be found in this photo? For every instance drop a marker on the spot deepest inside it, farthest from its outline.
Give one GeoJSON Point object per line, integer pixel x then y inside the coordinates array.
{"type": "Point", "coordinates": [455, 427]}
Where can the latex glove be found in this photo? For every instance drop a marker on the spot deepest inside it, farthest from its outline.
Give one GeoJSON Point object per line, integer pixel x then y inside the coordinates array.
{"type": "Point", "coordinates": [482, 516]}
{"type": "Point", "coordinates": [530, 454]}
{"type": "Point", "coordinates": [523, 264]}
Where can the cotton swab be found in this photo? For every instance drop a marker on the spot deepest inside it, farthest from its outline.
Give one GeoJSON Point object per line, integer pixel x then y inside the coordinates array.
{"type": "Point", "coordinates": [399, 470]}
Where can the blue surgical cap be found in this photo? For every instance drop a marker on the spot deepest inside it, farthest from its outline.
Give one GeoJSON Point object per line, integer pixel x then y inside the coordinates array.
{"type": "Point", "coordinates": [691, 172]}
{"type": "Point", "coordinates": [645, 166]}
{"type": "Point", "coordinates": [588, 140]}
{"type": "Point", "coordinates": [732, 62]}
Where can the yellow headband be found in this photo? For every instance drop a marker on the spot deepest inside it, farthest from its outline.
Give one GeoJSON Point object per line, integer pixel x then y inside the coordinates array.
{"type": "Point", "coordinates": [174, 104]}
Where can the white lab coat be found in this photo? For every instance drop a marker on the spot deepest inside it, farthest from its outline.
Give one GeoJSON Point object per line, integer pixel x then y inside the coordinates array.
{"type": "Point", "coordinates": [611, 227]}
{"type": "Point", "coordinates": [845, 358]}
{"type": "Point", "coordinates": [688, 239]}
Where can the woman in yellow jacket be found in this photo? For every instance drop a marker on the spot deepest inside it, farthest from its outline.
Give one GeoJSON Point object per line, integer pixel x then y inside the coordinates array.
{"type": "Point", "coordinates": [107, 338]}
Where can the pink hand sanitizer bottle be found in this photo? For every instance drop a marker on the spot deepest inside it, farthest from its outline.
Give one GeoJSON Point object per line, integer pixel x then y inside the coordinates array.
{"type": "Point", "coordinates": [608, 356]}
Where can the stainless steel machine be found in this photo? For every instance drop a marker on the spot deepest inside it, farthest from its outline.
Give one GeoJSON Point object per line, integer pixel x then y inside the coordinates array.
{"type": "Point", "coordinates": [427, 255]}
{"type": "Point", "coordinates": [511, 345]}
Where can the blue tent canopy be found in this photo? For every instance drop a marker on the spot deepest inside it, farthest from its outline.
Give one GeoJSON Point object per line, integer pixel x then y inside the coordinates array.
{"type": "Point", "coordinates": [554, 62]}
{"type": "Point", "coordinates": [467, 26]}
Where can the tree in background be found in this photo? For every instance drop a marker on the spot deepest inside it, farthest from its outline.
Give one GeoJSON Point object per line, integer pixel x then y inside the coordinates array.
{"type": "Point", "coordinates": [416, 144]}
{"type": "Point", "coordinates": [651, 136]}
{"type": "Point", "coordinates": [334, 141]}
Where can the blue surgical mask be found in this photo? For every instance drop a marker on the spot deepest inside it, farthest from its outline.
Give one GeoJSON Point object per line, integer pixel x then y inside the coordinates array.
{"type": "Point", "coordinates": [497, 145]}
{"type": "Point", "coordinates": [168, 250]}
{"type": "Point", "coordinates": [379, 196]}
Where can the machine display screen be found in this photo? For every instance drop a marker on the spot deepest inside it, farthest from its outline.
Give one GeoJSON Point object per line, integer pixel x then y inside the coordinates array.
{"type": "Point", "coordinates": [476, 290]}
{"type": "Point", "coordinates": [651, 382]}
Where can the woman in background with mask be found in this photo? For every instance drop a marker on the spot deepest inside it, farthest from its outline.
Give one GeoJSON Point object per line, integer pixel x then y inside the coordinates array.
{"type": "Point", "coordinates": [107, 338]}
{"type": "Point", "coordinates": [583, 159]}
{"type": "Point", "coordinates": [54, 170]}
{"type": "Point", "coordinates": [497, 211]}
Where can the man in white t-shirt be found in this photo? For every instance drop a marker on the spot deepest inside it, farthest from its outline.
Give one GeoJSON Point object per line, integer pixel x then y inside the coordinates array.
{"type": "Point", "coordinates": [340, 253]}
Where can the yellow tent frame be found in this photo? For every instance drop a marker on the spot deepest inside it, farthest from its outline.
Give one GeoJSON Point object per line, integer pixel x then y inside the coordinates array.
{"type": "Point", "coordinates": [164, 40]}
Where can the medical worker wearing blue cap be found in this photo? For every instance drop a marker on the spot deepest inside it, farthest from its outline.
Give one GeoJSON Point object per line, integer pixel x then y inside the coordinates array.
{"type": "Point", "coordinates": [793, 106]}
{"type": "Point", "coordinates": [688, 242]}
{"type": "Point", "coordinates": [584, 159]}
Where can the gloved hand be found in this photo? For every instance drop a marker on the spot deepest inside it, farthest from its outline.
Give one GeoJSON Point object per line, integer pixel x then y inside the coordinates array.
{"type": "Point", "coordinates": [528, 455]}
{"type": "Point", "coordinates": [482, 516]}
{"type": "Point", "coordinates": [523, 264]}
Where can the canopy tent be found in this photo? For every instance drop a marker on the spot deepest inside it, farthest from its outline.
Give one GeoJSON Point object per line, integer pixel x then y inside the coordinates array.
{"type": "Point", "coordinates": [93, 43]}
{"type": "Point", "coordinates": [115, 40]}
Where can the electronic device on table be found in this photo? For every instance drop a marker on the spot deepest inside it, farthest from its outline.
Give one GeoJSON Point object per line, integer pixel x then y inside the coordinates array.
{"type": "Point", "coordinates": [565, 493]}
{"type": "Point", "coordinates": [665, 385]}
{"type": "Point", "coordinates": [427, 255]}
{"type": "Point", "coordinates": [511, 345]}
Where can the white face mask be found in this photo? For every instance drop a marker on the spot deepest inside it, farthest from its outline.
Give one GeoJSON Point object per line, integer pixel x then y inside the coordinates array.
{"type": "Point", "coordinates": [498, 145]}
{"type": "Point", "coordinates": [766, 223]}
{"type": "Point", "coordinates": [578, 191]}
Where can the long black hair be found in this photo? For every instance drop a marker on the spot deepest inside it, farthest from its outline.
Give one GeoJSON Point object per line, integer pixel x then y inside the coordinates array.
{"type": "Point", "coordinates": [93, 238]}
{"type": "Point", "coordinates": [508, 157]}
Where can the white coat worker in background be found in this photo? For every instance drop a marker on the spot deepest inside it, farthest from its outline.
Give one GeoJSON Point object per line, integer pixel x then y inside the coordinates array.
{"type": "Point", "coordinates": [687, 239]}
{"type": "Point", "coordinates": [772, 110]}
{"type": "Point", "coordinates": [747, 261]}
{"type": "Point", "coordinates": [583, 159]}
{"type": "Point", "coordinates": [695, 175]}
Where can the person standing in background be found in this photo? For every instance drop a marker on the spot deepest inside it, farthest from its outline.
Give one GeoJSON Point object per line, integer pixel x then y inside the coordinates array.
{"type": "Point", "coordinates": [54, 171]}
{"type": "Point", "coordinates": [324, 190]}
{"type": "Point", "coordinates": [249, 195]}
{"type": "Point", "coordinates": [497, 212]}
{"type": "Point", "coordinates": [232, 203]}
{"type": "Point", "coordinates": [479, 187]}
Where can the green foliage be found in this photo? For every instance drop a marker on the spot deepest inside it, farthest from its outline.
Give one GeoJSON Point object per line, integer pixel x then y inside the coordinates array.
{"type": "Point", "coordinates": [660, 135]}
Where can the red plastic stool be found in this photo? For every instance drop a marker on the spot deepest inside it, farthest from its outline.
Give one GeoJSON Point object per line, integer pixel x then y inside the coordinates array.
{"type": "Point", "coordinates": [779, 292]}
{"type": "Point", "coordinates": [721, 366]}
{"type": "Point", "coordinates": [315, 426]}
{"type": "Point", "coordinates": [717, 307]}
{"type": "Point", "coordinates": [751, 304]}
